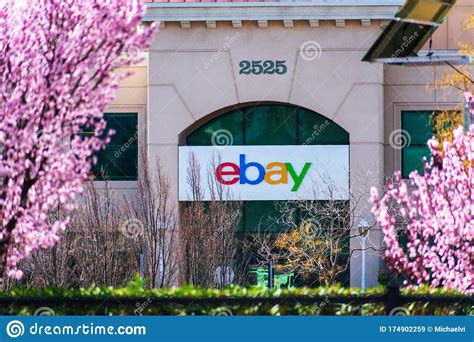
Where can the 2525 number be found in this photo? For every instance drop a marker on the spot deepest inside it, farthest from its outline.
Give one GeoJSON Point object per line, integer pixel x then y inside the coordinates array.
{"type": "Point", "coordinates": [262, 67]}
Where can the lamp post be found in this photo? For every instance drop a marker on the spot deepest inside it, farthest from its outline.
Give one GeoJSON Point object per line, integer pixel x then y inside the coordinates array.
{"type": "Point", "coordinates": [270, 274]}
{"type": "Point", "coordinates": [362, 230]}
{"type": "Point", "coordinates": [468, 110]}
{"type": "Point", "coordinates": [142, 261]}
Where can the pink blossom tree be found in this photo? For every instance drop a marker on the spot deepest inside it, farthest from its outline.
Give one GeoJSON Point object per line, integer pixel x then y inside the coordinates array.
{"type": "Point", "coordinates": [57, 61]}
{"type": "Point", "coordinates": [436, 215]}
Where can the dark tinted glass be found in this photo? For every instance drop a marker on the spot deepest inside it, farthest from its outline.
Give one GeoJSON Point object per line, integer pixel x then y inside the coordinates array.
{"type": "Point", "coordinates": [227, 129]}
{"type": "Point", "coordinates": [271, 125]}
{"type": "Point", "coordinates": [262, 216]}
{"type": "Point", "coordinates": [419, 129]}
{"type": "Point", "coordinates": [267, 125]}
{"type": "Point", "coordinates": [412, 159]}
{"type": "Point", "coordinates": [317, 130]}
{"type": "Point", "coordinates": [418, 126]}
{"type": "Point", "coordinates": [125, 126]}
{"type": "Point", "coordinates": [116, 164]}
{"type": "Point", "coordinates": [119, 159]}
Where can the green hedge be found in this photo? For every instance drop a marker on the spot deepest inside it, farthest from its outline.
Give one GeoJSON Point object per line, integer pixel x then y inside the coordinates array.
{"type": "Point", "coordinates": [134, 300]}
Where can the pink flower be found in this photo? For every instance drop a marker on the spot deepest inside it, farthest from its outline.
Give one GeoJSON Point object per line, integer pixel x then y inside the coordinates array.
{"type": "Point", "coordinates": [56, 75]}
{"type": "Point", "coordinates": [437, 211]}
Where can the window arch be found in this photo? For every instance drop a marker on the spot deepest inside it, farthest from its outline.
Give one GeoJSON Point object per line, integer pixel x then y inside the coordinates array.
{"type": "Point", "coordinates": [271, 125]}
{"type": "Point", "coordinates": [268, 124]}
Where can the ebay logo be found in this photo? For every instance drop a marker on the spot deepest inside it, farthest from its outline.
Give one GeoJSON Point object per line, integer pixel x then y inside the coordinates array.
{"type": "Point", "coordinates": [273, 173]}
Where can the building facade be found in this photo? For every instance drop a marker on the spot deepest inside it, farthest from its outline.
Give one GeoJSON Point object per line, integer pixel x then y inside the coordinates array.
{"type": "Point", "coordinates": [281, 77]}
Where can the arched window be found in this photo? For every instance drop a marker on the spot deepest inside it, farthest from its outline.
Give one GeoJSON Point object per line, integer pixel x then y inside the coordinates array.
{"type": "Point", "coordinates": [270, 124]}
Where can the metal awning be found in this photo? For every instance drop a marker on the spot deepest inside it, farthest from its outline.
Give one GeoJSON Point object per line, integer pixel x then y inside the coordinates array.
{"type": "Point", "coordinates": [425, 10]}
{"type": "Point", "coordinates": [409, 30]}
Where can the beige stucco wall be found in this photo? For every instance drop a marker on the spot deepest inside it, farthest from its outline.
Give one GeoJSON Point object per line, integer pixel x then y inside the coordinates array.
{"type": "Point", "coordinates": [412, 87]}
{"type": "Point", "coordinates": [131, 96]}
{"type": "Point", "coordinates": [193, 75]}
{"type": "Point", "coordinates": [195, 72]}
{"type": "Point", "coordinates": [450, 33]}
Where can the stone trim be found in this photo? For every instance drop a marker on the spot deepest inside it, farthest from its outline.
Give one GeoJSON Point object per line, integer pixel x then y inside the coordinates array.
{"type": "Point", "coordinates": [253, 11]}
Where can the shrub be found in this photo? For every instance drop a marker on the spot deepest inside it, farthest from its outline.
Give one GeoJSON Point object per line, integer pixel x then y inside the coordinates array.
{"type": "Point", "coordinates": [135, 300]}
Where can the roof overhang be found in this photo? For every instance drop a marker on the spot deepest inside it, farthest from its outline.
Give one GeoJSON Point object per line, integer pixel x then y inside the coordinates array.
{"type": "Point", "coordinates": [226, 11]}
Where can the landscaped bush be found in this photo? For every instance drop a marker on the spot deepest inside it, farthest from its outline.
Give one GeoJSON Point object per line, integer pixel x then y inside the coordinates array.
{"type": "Point", "coordinates": [134, 300]}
